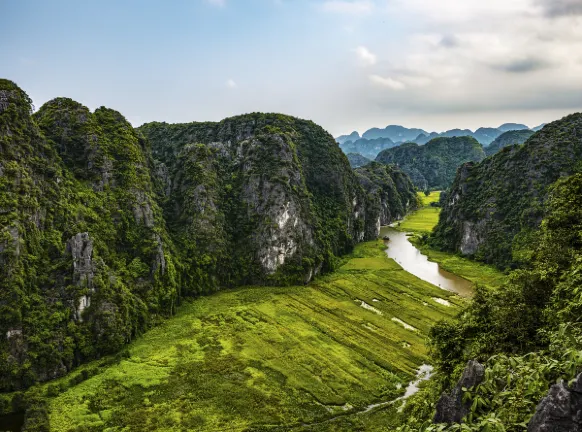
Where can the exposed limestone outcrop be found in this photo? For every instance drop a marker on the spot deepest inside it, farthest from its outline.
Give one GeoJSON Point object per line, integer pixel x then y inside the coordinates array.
{"type": "Point", "coordinates": [560, 410]}
{"type": "Point", "coordinates": [80, 246]}
{"type": "Point", "coordinates": [450, 407]}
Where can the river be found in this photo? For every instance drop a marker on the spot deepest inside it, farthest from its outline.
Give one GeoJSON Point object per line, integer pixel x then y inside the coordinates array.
{"type": "Point", "coordinates": [414, 262]}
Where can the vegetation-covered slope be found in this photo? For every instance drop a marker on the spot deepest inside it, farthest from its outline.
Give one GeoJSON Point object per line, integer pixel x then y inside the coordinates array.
{"type": "Point", "coordinates": [98, 239]}
{"type": "Point", "coordinates": [508, 138]}
{"type": "Point", "coordinates": [390, 194]}
{"type": "Point", "coordinates": [259, 197]}
{"type": "Point", "coordinates": [84, 254]}
{"type": "Point", "coordinates": [527, 334]}
{"type": "Point", "coordinates": [493, 206]}
{"type": "Point", "coordinates": [357, 160]}
{"type": "Point", "coordinates": [433, 165]}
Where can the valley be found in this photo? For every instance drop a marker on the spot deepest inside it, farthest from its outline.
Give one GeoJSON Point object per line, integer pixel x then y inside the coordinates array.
{"type": "Point", "coordinates": [291, 216]}
{"type": "Point", "coordinates": [328, 356]}
{"type": "Point", "coordinates": [240, 275]}
{"type": "Point", "coordinates": [266, 357]}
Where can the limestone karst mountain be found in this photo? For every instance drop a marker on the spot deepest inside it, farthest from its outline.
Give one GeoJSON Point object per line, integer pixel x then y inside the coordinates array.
{"type": "Point", "coordinates": [104, 228]}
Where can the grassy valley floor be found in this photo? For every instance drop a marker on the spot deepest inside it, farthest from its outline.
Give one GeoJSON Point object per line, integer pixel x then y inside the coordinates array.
{"type": "Point", "coordinates": [424, 219]}
{"type": "Point", "coordinates": [261, 358]}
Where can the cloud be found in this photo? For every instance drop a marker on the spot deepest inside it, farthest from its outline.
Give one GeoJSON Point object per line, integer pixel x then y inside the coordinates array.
{"type": "Point", "coordinates": [356, 7]}
{"type": "Point", "coordinates": [230, 83]}
{"type": "Point", "coordinates": [387, 82]}
{"type": "Point", "coordinates": [449, 41]}
{"type": "Point", "coordinates": [220, 3]}
{"type": "Point", "coordinates": [467, 59]}
{"type": "Point", "coordinates": [558, 8]}
{"type": "Point", "coordinates": [366, 57]}
{"type": "Point", "coordinates": [524, 65]}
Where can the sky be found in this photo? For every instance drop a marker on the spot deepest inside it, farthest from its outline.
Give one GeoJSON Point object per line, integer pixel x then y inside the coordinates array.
{"type": "Point", "coordinates": [345, 64]}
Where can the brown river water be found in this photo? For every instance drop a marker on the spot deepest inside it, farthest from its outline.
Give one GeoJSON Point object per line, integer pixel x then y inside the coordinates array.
{"type": "Point", "coordinates": [411, 260]}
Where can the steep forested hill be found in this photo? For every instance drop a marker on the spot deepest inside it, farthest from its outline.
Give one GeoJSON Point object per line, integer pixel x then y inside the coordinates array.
{"type": "Point", "coordinates": [390, 194]}
{"type": "Point", "coordinates": [104, 228]}
{"type": "Point", "coordinates": [508, 138]}
{"type": "Point", "coordinates": [357, 160]}
{"type": "Point", "coordinates": [434, 164]}
{"type": "Point", "coordinates": [494, 205]}
{"type": "Point", "coordinates": [85, 257]}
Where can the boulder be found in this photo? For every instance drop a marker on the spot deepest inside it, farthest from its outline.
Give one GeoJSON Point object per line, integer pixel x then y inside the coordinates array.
{"type": "Point", "coordinates": [560, 410]}
{"type": "Point", "coordinates": [450, 407]}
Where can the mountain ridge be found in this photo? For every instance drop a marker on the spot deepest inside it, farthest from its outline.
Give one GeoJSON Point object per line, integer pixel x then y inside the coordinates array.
{"type": "Point", "coordinates": [105, 228]}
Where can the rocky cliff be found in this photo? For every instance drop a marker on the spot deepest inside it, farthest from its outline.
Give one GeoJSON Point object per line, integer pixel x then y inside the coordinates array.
{"type": "Point", "coordinates": [103, 228]}
{"type": "Point", "coordinates": [390, 195]}
{"type": "Point", "coordinates": [433, 165]}
{"type": "Point", "coordinates": [85, 256]}
{"type": "Point", "coordinates": [493, 206]}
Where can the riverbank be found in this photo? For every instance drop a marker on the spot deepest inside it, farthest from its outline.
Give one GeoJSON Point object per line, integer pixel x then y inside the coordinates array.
{"type": "Point", "coordinates": [422, 222]}
{"type": "Point", "coordinates": [267, 357]}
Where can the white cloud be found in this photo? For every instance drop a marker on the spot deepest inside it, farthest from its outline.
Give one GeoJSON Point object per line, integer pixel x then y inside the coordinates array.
{"type": "Point", "coordinates": [366, 57]}
{"type": "Point", "coordinates": [356, 7]}
{"type": "Point", "coordinates": [387, 82]}
{"type": "Point", "coordinates": [231, 84]}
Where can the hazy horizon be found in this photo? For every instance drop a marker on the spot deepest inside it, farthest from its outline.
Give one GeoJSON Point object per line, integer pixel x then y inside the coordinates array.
{"type": "Point", "coordinates": [346, 65]}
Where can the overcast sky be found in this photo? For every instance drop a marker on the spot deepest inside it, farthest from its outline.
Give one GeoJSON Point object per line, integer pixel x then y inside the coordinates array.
{"type": "Point", "coordinates": [347, 65]}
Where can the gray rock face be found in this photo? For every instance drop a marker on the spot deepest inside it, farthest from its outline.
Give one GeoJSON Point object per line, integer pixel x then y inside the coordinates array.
{"type": "Point", "coordinates": [5, 96]}
{"type": "Point", "coordinates": [142, 209]}
{"type": "Point", "coordinates": [12, 244]}
{"type": "Point", "coordinates": [560, 410]}
{"type": "Point", "coordinates": [450, 407]}
{"type": "Point", "coordinates": [80, 246]}
{"type": "Point", "coordinates": [162, 174]}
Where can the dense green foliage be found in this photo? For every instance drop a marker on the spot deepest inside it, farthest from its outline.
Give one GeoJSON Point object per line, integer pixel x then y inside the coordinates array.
{"type": "Point", "coordinates": [508, 138]}
{"type": "Point", "coordinates": [433, 165]}
{"type": "Point", "coordinates": [251, 192]}
{"type": "Point", "coordinates": [528, 333]}
{"type": "Point", "coordinates": [48, 267]}
{"type": "Point", "coordinates": [390, 195]}
{"type": "Point", "coordinates": [357, 160]}
{"type": "Point", "coordinates": [494, 207]}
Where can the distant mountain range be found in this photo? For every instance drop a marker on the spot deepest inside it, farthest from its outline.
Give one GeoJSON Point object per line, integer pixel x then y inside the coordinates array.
{"type": "Point", "coordinates": [368, 148]}
{"type": "Point", "coordinates": [375, 140]}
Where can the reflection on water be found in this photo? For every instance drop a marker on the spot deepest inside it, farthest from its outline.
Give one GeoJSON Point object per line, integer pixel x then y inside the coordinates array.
{"type": "Point", "coordinates": [411, 260]}
{"type": "Point", "coordinates": [12, 422]}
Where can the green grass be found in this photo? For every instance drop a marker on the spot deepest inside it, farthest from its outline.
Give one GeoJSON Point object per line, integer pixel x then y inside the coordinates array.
{"type": "Point", "coordinates": [432, 198]}
{"type": "Point", "coordinates": [264, 358]}
{"type": "Point", "coordinates": [425, 218]}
